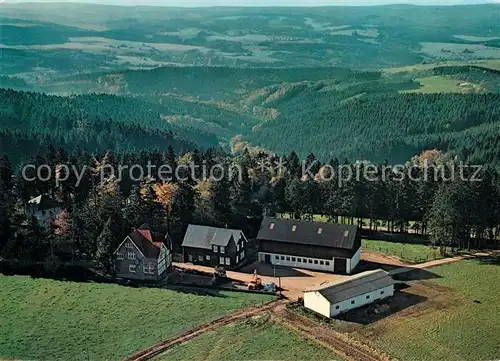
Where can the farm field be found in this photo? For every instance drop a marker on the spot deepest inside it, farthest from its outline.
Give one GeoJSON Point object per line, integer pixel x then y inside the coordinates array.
{"type": "Point", "coordinates": [257, 338]}
{"type": "Point", "coordinates": [442, 84]}
{"type": "Point", "coordinates": [407, 252]}
{"type": "Point", "coordinates": [457, 321]}
{"type": "Point", "coordinates": [54, 320]}
{"type": "Point", "coordinates": [486, 63]}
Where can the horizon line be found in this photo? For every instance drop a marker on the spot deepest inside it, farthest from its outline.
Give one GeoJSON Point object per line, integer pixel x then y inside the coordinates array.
{"type": "Point", "coordinates": [127, 4]}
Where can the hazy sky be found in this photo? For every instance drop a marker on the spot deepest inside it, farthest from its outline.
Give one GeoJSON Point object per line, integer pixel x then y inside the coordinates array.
{"type": "Point", "coordinates": [192, 3]}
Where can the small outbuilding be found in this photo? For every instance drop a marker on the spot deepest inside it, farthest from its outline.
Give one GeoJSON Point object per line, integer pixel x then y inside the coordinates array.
{"type": "Point", "coordinates": [333, 298]}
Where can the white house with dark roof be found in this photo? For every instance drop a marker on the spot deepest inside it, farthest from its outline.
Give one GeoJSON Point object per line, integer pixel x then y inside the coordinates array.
{"type": "Point", "coordinates": [333, 298]}
{"type": "Point", "coordinates": [44, 209]}
{"type": "Point", "coordinates": [144, 255]}
{"type": "Point", "coordinates": [213, 246]}
{"type": "Point", "coordinates": [312, 245]}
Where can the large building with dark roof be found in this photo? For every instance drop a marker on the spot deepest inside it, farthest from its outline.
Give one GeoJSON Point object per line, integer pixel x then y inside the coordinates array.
{"type": "Point", "coordinates": [313, 245]}
{"type": "Point", "coordinates": [333, 298]}
{"type": "Point", "coordinates": [213, 246]}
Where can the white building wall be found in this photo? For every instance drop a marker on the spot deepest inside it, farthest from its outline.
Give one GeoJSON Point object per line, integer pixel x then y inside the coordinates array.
{"type": "Point", "coordinates": [361, 300]}
{"type": "Point", "coordinates": [46, 217]}
{"type": "Point", "coordinates": [288, 261]}
{"type": "Point", "coordinates": [317, 303]}
{"type": "Point", "coordinates": [353, 262]}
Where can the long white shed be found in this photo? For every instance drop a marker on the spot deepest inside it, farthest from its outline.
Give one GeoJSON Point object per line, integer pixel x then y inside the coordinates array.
{"type": "Point", "coordinates": [333, 298]}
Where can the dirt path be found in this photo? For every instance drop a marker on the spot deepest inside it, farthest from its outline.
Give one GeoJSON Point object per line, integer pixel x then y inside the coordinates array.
{"type": "Point", "coordinates": [436, 262]}
{"type": "Point", "coordinates": [347, 347]}
{"type": "Point", "coordinates": [163, 346]}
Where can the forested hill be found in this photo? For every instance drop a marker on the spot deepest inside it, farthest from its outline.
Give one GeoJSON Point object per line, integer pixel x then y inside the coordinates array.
{"type": "Point", "coordinates": [31, 121]}
{"type": "Point", "coordinates": [380, 127]}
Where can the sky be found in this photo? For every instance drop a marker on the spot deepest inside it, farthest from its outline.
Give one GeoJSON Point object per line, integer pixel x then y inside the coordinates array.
{"type": "Point", "coordinates": [196, 3]}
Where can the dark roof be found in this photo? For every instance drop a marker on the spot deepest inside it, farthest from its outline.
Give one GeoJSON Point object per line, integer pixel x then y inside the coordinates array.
{"type": "Point", "coordinates": [43, 202]}
{"type": "Point", "coordinates": [354, 286]}
{"type": "Point", "coordinates": [206, 237]}
{"type": "Point", "coordinates": [331, 235]}
{"type": "Point", "coordinates": [147, 241]}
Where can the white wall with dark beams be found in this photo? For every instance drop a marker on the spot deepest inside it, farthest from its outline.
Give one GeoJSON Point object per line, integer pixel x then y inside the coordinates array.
{"type": "Point", "coordinates": [316, 264]}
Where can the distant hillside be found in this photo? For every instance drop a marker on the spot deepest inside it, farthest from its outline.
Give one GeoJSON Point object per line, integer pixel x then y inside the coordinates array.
{"type": "Point", "coordinates": [30, 121]}
{"type": "Point", "coordinates": [46, 41]}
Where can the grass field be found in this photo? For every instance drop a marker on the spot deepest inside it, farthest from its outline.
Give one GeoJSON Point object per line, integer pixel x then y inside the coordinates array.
{"type": "Point", "coordinates": [441, 84]}
{"type": "Point", "coordinates": [486, 63]}
{"type": "Point", "coordinates": [253, 339]}
{"type": "Point", "coordinates": [54, 320]}
{"type": "Point", "coordinates": [407, 252]}
{"type": "Point", "coordinates": [460, 322]}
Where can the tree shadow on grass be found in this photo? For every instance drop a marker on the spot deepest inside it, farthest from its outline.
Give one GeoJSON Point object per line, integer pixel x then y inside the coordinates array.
{"type": "Point", "coordinates": [490, 260]}
{"type": "Point", "coordinates": [85, 275]}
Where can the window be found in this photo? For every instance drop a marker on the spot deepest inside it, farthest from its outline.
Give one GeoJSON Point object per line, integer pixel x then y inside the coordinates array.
{"type": "Point", "coordinates": [237, 258]}
{"type": "Point", "coordinates": [228, 261]}
{"type": "Point", "coordinates": [321, 263]}
{"type": "Point", "coordinates": [353, 302]}
{"type": "Point", "coordinates": [299, 260]}
{"type": "Point", "coordinates": [221, 260]}
{"type": "Point", "coordinates": [131, 255]}
{"type": "Point", "coordinates": [315, 261]}
{"type": "Point", "coordinates": [282, 258]}
{"type": "Point", "coordinates": [129, 245]}
{"type": "Point", "coordinates": [276, 257]}
{"type": "Point", "coordinates": [346, 233]}
{"type": "Point", "coordinates": [148, 268]}
{"type": "Point", "coordinates": [119, 256]}
{"type": "Point", "coordinates": [368, 297]}
{"type": "Point", "coordinates": [271, 226]}
{"type": "Point", "coordinates": [131, 268]}
{"type": "Point", "coordinates": [200, 258]}
{"type": "Point", "coordinates": [222, 249]}
{"type": "Point", "coordinates": [337, 307]}
{"type": "Point", "coordinates": [207, 257]}
{"type": "Point", "coordinates": [288, 258]}
{"type": "Point", "coordinates": [215, 249]}
{"type": "Point", "coordinates": [381, 292]}
{"type": "Point", "coordinates": [293, 259]}
{"type": "Point", "coordinates": [238, 247]}
{"type": "Point", "coordinates": [327, 263]}
{"type": "Point", "coordinates": [242, 254]}
{"type": "Point", "coordinates": [310, 260]}
{"type": "Point", "coordinates": [294, 228]}
{"type": "Point", "coordinates": [320, 230]}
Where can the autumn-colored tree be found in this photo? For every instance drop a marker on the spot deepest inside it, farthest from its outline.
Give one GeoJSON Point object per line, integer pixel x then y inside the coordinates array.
{"type": "Point", "coordinates": [166, 194]}
{"type": "Point", "coordinates": [62, 223]}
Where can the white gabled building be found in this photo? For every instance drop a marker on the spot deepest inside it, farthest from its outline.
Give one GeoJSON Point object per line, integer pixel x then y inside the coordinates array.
{"type": "Point", "coordinates": [44, 209]}
{"type": "Point", "coordinates": [333, 298]}
{"type": "Point", "coordinates": [317, 246]}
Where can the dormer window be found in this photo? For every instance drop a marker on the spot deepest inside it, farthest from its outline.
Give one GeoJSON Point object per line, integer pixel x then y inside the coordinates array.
{"type": "Point", "coordinates": [271, 226]}
{"type": "Point", "coordinates": [215, 249]}
{"type": "Point", "coordinates": [294, 228]}
{"type": "Point", "coordinates": [320, 230]}
{"type": "Point", "coordinates": [346, 233]}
